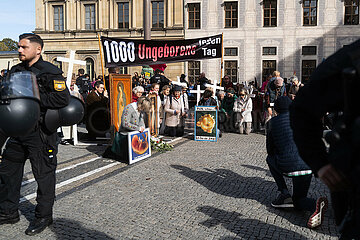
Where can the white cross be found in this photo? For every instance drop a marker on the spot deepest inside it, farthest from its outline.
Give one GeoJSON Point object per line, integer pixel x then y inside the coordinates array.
{"type": "Point", "coordinates": [198, 92]}
{"type": "Point", "coordinates": [179, 83]}
{"type": "Point", "coordinates": [71, 62]}
{"type": "Point", "coordinates": [214, 86]}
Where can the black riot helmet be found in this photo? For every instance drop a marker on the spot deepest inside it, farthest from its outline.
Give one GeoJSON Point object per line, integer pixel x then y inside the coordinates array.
{"type": "Point", "coordinates": [72, 114]}
{"type": "Point", "coordinates": [19, 104]}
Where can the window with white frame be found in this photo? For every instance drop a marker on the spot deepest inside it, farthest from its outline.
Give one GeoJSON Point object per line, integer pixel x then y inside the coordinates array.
{"type": "Point", "coordinates": [307, 68]}
{"type": "Point", "coordinates": [193, 71]}
{"type": "Point", "coordinates": [351, 12]}
{"type": "Point", "coordinates": [231, 69]}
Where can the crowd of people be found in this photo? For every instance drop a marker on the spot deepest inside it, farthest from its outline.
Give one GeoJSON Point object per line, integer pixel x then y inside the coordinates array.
{"type": "Point", "coordinates": [293, 121]}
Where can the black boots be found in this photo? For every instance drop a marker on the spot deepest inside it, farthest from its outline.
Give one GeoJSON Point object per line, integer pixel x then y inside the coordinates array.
{"type": "Point", "coordinates": [38, 225]}
{"type": "Point", "coordinates": [9, 218]}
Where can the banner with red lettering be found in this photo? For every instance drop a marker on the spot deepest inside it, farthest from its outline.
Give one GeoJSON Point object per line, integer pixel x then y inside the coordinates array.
{"type": "Point", "coordinates": [131, 52]}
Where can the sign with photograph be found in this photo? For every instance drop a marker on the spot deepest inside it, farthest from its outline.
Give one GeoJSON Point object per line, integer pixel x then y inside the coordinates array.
{"type": "Point", "coordinates": [205, 123]}
{"type": "Point", "coordinates": [131, 52]}
{"type": "Point", "coordinates": [139, 145]}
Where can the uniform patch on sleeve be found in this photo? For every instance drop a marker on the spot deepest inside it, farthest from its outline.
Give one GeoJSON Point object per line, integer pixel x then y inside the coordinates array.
{"type": "Point", "coordinates": [59, 85]}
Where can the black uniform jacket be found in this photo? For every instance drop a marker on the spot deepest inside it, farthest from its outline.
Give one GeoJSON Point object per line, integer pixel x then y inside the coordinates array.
{"type": "Point", "coordinates": [52, 86]}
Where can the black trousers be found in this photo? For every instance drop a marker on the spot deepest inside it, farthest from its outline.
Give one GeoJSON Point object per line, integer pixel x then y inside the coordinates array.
{"type": "Point", "coordinates": [41, 149]}
{"type": "Point", "coordinates": [175, 131]}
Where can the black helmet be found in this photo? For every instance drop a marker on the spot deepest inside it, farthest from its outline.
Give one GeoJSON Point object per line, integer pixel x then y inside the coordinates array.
{"type": "Point", "coordinates": [72, 114]}
{"type": "Point", "coordinates": [19, 104]}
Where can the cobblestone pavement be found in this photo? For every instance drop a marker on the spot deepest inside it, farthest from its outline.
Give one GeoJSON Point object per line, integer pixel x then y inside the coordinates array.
{"type": "Point", "coordinates": [200, 190]}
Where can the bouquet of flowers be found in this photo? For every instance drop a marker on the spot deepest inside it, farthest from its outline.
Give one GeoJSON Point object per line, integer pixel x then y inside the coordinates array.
{"type": "Point", "coordinates": [159, 145]}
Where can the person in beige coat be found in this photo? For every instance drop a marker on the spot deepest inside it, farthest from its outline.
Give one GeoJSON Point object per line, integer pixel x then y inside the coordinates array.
{"type": "Point", "coordinates": [175, 111]}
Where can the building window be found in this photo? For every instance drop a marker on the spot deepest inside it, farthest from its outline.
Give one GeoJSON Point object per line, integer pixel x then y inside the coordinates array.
{"type": "Point", "coordinates": [193, 71]}
{"type": "Point", "coordinates": [231, 51]}
{"type": "Point", "coordinates": [269, 66]}
{"type": "Point", "coordinates": [351, 12]}
{"type": "Point", "coordinates": [157, 14]}
{"type": "Point", "coordinates": [308, 50]}
{"type": "Point", "coordinates": [270, 13]}
{"type": "Point", "coordinates": [194, 15]}
{"type": "Point", "coordinates": [307, 68]}
{"type": "Point", "coordinates": [231, 14]}
{"type": "Point", "coordinates": [123, 15]}
{"type": "Point", "coordinates": [310, 12]}
{"type": "Point", "coordinates": [90, 17]}
{"type": "Point", "coordinates": [58, 18]}
{"type": "Point", "coordinates": [269, 51]}
{"type": "Point", "coordinates": [90, 68]}
{"type": "Point", "coordinates": [231, 70]}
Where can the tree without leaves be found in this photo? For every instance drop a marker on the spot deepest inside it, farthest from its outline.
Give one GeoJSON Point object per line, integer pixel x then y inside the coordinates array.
{"type": "Point", "coordinates": [7, 44]}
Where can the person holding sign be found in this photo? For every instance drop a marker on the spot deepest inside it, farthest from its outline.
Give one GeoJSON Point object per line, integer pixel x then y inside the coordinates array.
{"type": "Point", "coordinates": [175, 111]}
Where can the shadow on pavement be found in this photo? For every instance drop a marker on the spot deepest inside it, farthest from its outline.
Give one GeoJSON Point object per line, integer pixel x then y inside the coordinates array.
{"type": "Point", "coordinates": [244, 228]}
{"type": "Point", "coordinates": [62, 227]}
{"type": "Point", "coordinates": [231, 184]}
{"type": "Point", "coordinates": [267, 171]}
{"type": "Point", "coordinates": [70, 229]}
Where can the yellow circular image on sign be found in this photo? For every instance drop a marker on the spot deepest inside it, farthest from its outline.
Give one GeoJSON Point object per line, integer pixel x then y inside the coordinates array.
{"type": "Point", "coordinates": [206, 122]}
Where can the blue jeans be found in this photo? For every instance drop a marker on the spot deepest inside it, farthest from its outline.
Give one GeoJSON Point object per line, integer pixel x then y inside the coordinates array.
{"type": "Point", "coordinates": [301, 185]}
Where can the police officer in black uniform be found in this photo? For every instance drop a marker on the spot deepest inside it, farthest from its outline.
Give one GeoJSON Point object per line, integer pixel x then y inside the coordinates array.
{"type": "Point", "coordinates": [329, 91]}
{"type": "Point", "coordinates": [40, 145]}
{"type": "Point", "coordinates": [160, 78]}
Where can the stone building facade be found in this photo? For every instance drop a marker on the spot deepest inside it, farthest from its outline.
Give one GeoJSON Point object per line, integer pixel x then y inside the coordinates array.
{"type": "Point", "coordinates": [75, 24]}
{"type": "Point", "coordinates": [261, 36]}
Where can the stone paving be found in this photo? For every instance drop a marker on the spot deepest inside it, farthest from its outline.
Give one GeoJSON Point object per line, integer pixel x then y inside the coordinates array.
{"type": "Point", "coordinates": [200, 190]}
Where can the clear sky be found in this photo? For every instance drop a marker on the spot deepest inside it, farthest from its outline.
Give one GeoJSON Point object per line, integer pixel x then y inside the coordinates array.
{"type": "Point", "coordinates": [16, 17]}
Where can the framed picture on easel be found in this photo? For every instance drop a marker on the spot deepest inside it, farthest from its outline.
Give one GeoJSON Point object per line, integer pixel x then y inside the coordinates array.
{"type": "Point", "coordinates": [120, 96]}
{"type": "Point", "coordinates": [153, 119]}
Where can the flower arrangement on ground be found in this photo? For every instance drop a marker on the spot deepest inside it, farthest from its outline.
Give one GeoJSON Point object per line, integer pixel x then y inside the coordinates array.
{"type": "Point", "coordinates": [158, 145]}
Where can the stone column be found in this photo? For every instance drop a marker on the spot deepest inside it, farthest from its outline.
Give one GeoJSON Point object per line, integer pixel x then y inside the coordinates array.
{"type": "Point", "coordinates": [111, 14]}
{"type": "Point", "coordinates": [78, 15]}
{"type": "Point", "coordinates": [289, 45]}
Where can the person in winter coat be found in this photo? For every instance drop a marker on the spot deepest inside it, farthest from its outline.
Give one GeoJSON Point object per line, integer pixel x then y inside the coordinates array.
{"type": "Point", "coordinates": [284, 160]}
{"type": "Point", "coordinates": [295, 86]}
{"type": "Point", "coordinates": [164, 97]}
{"type": "Point", "coordinates": [175, 110]}
{"type": "Point", "coordinates": [243, 108]}
{"type": "Point", "coordinates": [275, 89]}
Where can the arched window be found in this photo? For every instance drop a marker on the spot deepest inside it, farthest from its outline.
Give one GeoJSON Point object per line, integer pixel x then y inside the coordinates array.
{"type": "Point", "coordinates": [90, 68]}
{"type": "Point", "coordinates": [57, 63]}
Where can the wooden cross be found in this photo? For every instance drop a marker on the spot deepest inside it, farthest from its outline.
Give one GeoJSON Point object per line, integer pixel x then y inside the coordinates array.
{"type": "Point", "coordinates": [179, 83]}
{"type": "Point", "coordinates": [198, 92]}
{"type": "Point", "coordinates": [71, 62]}
{"type": "Point", "coordinates": [214, 86]}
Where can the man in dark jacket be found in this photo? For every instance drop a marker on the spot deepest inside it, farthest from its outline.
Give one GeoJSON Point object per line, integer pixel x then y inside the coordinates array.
{"type": "Point", "coordinates": [283, 159]}
{"type": "Point", "coordinates": [160, 78]}
{"type": "Point", "coordinates": [40, 145]}
{"type": "Point", "coordinates": [83, 83]}
{"type": "Point", "coordinates": [340, 172]}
